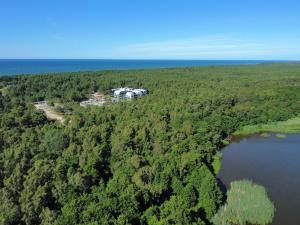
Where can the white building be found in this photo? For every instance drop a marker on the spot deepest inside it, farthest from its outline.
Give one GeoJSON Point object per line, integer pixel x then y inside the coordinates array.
{"type": "Point", "coordinates": [128, 92]}
{"type": "Point", "coordinates": [120, 92]}
{"type": "Point", "coordinates": [140, 92]}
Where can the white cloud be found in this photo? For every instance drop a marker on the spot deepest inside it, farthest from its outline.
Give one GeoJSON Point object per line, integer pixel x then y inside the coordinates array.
{"type": "Point", "coordinates": [211, 47]}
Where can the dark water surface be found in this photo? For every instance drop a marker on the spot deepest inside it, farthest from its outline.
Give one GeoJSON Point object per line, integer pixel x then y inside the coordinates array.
{"type": "Point", "coordinates": [273, 163]}
{"type": "Point", "coordinates": [33, 66]}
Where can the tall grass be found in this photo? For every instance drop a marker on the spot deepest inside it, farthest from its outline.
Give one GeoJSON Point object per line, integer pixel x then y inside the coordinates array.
{"type": "Point", "coordinates": [217, 162]}
{"type": "Point", "coordinates": [290, 126]}
{"type": "Point", "coordinates": [246, 203]}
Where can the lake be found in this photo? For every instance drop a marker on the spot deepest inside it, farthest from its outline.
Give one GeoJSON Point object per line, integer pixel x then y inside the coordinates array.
{"type": "Point", "coordinates": [271, 162]}
{"type": "Point", "coordinates": [34, 66]}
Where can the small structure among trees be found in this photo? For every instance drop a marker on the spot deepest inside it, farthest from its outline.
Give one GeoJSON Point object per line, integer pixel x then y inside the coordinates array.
{"type": "Point", "coordinates": [129, 92]}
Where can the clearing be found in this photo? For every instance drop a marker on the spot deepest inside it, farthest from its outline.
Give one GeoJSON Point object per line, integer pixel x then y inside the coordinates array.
{"type": "Point", "coordinates": [49, 111]}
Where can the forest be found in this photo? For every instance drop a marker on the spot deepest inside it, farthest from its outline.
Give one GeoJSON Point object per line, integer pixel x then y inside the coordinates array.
{"type": "Point", "coordinates": [147, 161]}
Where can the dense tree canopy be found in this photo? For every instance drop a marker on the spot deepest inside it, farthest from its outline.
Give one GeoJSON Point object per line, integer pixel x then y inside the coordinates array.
{"type": "Point", "coordinates": [146, 161]}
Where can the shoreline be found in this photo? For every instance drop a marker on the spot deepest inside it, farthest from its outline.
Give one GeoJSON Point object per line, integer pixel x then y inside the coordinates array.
{"type": "Point", "coordinates": [22, 67]}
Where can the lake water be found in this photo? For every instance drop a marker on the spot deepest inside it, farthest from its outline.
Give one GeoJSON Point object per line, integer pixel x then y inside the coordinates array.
{"type": "Point", "coordinates": [273, 163]}
{"type": "Point", "coordinates": [33, 66]}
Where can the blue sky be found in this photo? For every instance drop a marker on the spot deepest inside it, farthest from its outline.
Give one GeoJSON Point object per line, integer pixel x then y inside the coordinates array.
{"type": "Point", "coordinates": [150, 29]}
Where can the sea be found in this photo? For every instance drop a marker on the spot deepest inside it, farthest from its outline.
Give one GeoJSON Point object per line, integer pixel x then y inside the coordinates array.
{"type": "Point", "coordinates": [44, 66]}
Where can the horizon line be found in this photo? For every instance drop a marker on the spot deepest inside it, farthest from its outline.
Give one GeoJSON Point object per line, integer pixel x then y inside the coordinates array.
{"type": "Point", "coordinates": [149, 59]}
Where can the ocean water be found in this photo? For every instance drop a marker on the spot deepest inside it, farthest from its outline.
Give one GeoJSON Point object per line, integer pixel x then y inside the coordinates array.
{"type": "Point", "coordinates": [34, 66]}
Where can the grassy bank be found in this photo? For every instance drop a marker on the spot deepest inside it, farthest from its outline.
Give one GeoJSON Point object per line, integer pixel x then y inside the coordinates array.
{"type": "Point", "coordinates": [217, 162]}
{"type": "Point", "coordinates": [290, 126]}
{"type": "Point", "coordinates": [256, 208]}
